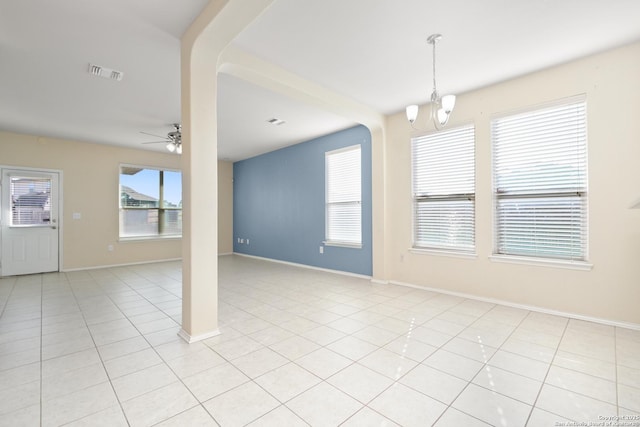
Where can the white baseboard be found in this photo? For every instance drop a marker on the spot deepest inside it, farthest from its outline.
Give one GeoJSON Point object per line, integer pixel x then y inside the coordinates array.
{"type": "Point", "coordinates": [627, 325]}
{"type": "Point", "coordinates": [98, 267]}
{"type": "Point", "coordinates": [311, 267]}
{"type": "Point", "coordinates": [191, 339]}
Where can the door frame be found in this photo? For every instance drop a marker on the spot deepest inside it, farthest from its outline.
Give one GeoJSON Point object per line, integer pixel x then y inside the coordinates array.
{"type": "Point", "coordinates": [60, 206]}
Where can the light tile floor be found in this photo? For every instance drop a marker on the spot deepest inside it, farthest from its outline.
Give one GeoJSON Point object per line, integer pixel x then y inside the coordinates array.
{"type": "Point", "coordinates": [298, 347]}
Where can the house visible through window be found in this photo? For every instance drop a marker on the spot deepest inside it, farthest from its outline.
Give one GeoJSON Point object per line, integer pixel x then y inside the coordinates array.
{"type": "Point", "coordinates": [150, 202]}
{"type": "Point", "coordinates": [30, 201]}
{"type": "Point", "coordinates": [343, 196]}
{"type": "Point", "coordinates": [540, 182]}
{"type": "Point", "coordinates": [443, 166]}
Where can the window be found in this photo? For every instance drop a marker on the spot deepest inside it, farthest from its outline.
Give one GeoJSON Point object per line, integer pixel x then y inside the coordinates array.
{"type": "Point", "coordinates": [343, 197]}
{"type": "Point", "coordinates": [443, 166]}
{"type": "Point", "coordinates": [540, 182]}
{"type": "Point", "coordinates": [150, 202]}
{"type": "Point", "coordinates": [30, 201]}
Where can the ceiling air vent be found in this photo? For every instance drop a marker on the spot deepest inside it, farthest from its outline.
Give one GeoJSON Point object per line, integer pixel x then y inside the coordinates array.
{"type": "Point", "coordinates": [276, 122]}
{"type": "Point", "coordinates": [95, 70]}
{"type": "Point", "coordinates": [115, 75]}
{"type": "Point", "coordinates": [105, 73]}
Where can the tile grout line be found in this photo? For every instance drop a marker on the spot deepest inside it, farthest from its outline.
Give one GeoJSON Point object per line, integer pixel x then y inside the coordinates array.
{"type": "Point", "coordinates": [264, 299]}
{"type": "Point", "coordinates": [253, 380]}
{"type": "Point", "coordinates": [41, 345]}
{"type": "Point", "coordinates": [353, 362]}
{"type": "Point", "coordinates": [163, 361]}
{"type": "Point", "coordinates": [396, 381]}
{"type": "Point", "coordinates": [544, 380]}
{"type": "Point", "coordinates": [151, 347]}
{"type": "Point", "coordinates": [470, 381]}
{"type": "Point", "coordinates": [298, 334]}
{"type": "Point", "coordinates": [75, 297]}
{"type": "Point", "coordinates": [13, 286]}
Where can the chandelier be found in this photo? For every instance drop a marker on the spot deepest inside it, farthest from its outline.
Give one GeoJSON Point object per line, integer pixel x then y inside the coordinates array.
{"type": "Point", "coordinates": [441, 107]}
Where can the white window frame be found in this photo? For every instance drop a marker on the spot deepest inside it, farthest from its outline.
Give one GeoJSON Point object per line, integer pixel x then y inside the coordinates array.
{"type": "Point", "coordinates": [330, 234]}
{"type": "Point", "coordinates": [161, 209]}
{"type": "Point", "coordinates": [579, 192]}
{"type": "Point", "coordinates": [461, 191]}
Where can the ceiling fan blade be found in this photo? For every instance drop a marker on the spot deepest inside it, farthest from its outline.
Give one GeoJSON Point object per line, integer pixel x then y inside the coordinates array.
{"type": "Point", "coordinates": [151, 134]}
{"type": "Point", "coordinates": [157, 142]}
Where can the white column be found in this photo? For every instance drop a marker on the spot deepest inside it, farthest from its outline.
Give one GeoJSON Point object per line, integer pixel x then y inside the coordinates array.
{"type": "Point", "coordinates": [201, 46]}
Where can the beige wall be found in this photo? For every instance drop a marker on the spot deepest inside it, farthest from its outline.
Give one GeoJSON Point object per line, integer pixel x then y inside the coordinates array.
{"type": "Point", "coordinates": [611, 290]}
{"type": "Point", "coordinates": [225, 207]}
{"type": "Point", "coordinates": [90, 187]}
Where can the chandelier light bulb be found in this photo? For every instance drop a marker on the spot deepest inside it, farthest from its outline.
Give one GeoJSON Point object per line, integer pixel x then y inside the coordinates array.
{"type": "Point", "coordinates": [171, 147]}
{"type": "Point", "coordinates": [448, 102]}
{"type": "Point", "coordinates": [179, 149]}
{"type": "Point", "coordinates": [442, 116]}
{"type": "Point", "coordinates": [412, 113]}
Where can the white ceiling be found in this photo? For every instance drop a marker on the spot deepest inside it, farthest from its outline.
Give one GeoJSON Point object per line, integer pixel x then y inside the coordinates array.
{"type": "Point", "coordinates": [371, 51]}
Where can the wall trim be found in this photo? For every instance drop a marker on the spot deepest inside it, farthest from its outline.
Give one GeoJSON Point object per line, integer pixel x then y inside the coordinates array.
{"type": "Point", "coordinates": [195, 338]}
{"type": "Point", "coordinates": [608, 322]}
{"type": "Point", "coordinates": [311, 267]}
{"type": "Point", "coordinates": [97, 267]}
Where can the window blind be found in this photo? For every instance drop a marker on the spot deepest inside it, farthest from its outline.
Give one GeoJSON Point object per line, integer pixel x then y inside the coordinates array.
{"type": "Point", "coordinates": [343, 196]}
{"type": "Point", "coordinates": [443, 166]}
{"type": "Point", "coordinates": [30, 200]}
{"type": "Point", "coordinates": [540, 182]}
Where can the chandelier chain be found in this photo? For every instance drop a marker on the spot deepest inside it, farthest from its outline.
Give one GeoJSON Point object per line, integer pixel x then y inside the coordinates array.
{"type": "Point", "coordinates": [434, 95]}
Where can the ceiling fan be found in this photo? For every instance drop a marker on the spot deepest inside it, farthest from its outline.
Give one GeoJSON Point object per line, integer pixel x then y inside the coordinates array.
{"type": "Point", "coordinates": [173, 139]}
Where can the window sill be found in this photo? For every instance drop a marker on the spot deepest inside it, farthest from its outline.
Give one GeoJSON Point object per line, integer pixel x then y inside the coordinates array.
{"type": "Point", "coordinates": [444, 252]}
{"type": "Point", "coordinates": [147, 238]}
{"type": "Point", "coordinates": [570, 265]}
{"type": "Point", "coordinates": [343, 245]}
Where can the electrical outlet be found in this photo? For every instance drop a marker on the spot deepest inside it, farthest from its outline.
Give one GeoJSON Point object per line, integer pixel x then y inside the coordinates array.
{"type": "Point", "coordinates": [110, 248]}
{"type": "Point", "coordinates": [247, 241]}
{"type": "Point", "coordinates": [321, 249]}
{"type": "Point", "coordinates": [238, 240]}
{"type": "Point", "coordinates": [241, 240]}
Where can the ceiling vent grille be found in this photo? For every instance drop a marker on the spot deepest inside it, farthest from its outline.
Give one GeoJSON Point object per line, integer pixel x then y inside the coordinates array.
{"type": "Point", "coordinates": [105, 73]}
{"type": "Point", "coordinates": [276, 122]}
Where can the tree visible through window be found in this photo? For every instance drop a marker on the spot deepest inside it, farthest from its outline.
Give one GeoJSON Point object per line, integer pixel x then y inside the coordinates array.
{"type": "Point", "coordinates": [150, 202]}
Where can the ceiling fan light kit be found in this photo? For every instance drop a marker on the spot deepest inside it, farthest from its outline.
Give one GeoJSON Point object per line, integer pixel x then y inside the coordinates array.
{"type": "Point", "coordinates": [441, 107]}
{"type": "Point", "coordinates": [173, 140]}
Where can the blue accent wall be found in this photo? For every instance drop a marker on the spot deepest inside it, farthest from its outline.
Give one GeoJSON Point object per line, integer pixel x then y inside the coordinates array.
{"type": "Point", "coordinates": [279, 204]}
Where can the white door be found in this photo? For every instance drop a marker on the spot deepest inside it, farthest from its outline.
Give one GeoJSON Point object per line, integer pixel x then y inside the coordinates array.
{"type": "Point", "coordinates": [29, 222]}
